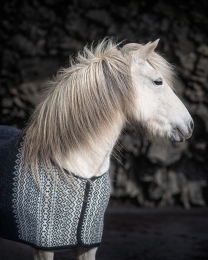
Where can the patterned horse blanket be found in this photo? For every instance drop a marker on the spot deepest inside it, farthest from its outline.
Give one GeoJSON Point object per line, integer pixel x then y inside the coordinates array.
{"type": "Point", "coordinates": [64, 218]}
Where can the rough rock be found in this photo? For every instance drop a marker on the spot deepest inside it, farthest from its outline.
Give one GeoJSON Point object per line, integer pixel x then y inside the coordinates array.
{"type": "Point", "coordinates": [38, 37]}
{"type": "Point", "coordinates": [166, 154]}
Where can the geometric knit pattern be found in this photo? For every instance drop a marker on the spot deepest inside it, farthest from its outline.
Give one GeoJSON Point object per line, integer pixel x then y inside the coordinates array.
{"type": "Point", "coordinates": [98, 197]}
{"type": "Point", "coordinates": [58, 216]}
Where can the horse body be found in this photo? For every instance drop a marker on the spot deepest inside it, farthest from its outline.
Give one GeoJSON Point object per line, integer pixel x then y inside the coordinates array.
{"type": "Point", "coordinates": [77, 124]}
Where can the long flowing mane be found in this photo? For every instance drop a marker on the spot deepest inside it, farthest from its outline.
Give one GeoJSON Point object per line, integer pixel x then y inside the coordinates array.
{"type": "Point", "coordinates": [80, 103]}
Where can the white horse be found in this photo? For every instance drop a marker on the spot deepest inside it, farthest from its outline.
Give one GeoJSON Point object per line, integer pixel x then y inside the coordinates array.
{"type": "Point", "coordinates": [77, 124]}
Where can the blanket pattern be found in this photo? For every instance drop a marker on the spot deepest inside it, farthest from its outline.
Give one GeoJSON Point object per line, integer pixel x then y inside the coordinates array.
{"type": "Point", "coordinates": [59, 217]}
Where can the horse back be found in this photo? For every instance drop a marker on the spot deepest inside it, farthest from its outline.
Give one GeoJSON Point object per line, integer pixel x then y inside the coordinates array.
{"type": "Point", "coordinates": [8, 132]}
{"type": "Point", "coordinates": [9, 139]}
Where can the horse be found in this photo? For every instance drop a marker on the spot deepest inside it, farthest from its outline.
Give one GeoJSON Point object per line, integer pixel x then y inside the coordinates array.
{"type": "Point", "coordinates": [58, 165]}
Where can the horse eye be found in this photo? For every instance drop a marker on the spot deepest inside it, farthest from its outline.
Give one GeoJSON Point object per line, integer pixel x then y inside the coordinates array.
{"type": "Point", "coordinates": [158, 82]}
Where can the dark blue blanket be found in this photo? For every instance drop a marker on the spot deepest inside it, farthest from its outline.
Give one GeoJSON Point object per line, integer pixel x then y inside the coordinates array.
{"type": "Point", "coordinates": [59, 218]}
{"type": "Point", "coordinates": [8, 135]}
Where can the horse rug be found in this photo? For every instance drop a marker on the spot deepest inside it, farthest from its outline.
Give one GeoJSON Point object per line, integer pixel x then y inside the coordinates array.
{"type": "Point", "coordinates": [60, 217]}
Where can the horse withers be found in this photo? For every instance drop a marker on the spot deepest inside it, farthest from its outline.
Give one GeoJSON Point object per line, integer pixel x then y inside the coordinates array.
{"type": "Point", "coordinates": [55, 186]}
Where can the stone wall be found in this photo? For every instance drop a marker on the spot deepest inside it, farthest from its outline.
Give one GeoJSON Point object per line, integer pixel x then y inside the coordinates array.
{"type": "Point", "coordinates": [37, 38]}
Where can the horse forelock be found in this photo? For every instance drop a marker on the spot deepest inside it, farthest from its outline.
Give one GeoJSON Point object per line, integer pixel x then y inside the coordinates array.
{"type": "Point", "coordinates": [80, 104]}
{"type": "Point", "coordinates": [155, 59]}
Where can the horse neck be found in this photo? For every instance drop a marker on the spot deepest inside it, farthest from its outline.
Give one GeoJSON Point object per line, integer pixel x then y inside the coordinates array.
{"type": "Point", "coordinates": [94, 161]}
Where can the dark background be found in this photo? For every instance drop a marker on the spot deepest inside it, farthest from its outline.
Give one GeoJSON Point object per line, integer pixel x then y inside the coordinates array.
{"type": "Point", "coordinates": [36, 39]}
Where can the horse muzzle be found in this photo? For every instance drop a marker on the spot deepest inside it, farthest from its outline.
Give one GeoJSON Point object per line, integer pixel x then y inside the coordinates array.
{"type": "Point", "coordinates": [180, 133]}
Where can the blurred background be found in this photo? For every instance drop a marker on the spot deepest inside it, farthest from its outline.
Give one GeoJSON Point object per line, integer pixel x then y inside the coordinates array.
{"type": "Point", "coordinates": [36, 39]}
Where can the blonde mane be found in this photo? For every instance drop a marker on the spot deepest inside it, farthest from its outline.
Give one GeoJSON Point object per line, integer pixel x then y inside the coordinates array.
{"type": "Point", "coordinates": [80, 103]}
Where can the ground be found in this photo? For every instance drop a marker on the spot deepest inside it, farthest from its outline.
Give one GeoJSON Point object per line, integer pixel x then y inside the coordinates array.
{"type": "Point", "coordinates": [137, 234]}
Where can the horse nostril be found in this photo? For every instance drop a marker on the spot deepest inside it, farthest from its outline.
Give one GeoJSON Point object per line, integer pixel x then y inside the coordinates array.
{"type": "Point", "coordinates": [192, 125]}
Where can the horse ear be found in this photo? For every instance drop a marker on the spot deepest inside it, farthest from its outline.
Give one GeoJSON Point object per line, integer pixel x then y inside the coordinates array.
{"type": "Point", "coordinates": [151, 46]}
{"type": "Point", "coordinates": [147, 49]}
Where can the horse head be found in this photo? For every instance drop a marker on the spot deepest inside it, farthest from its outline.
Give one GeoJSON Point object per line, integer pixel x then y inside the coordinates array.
{"type": "Point", "coordinates": [157, 108]}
